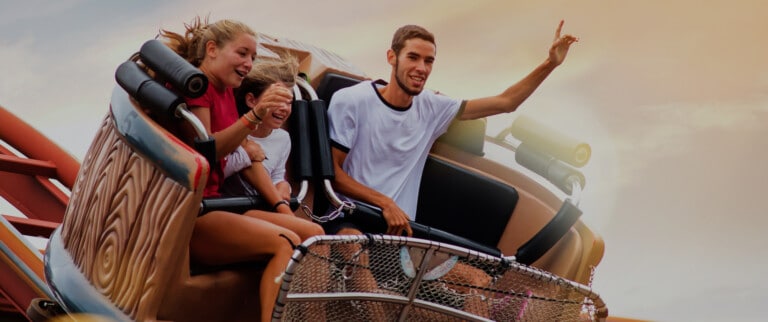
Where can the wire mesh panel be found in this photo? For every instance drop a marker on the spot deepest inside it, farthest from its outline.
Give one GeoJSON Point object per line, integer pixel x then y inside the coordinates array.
{"type": "Point", "coordinates": [390, 278]}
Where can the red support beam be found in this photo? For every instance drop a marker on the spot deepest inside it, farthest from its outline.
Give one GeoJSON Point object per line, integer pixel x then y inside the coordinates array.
{"type": "Point", "coordinates": [14, 289]}
{"type": "Point", "coordinates": [35, 197]}
{"type": "Point", "coordinates": [33, 144]}
{"type": "Point", "coordinates": [10, 163]}
{"type": "Point", "coordinates": [9, 313]}
{"type": "Point", "coordinates": [32, 227]}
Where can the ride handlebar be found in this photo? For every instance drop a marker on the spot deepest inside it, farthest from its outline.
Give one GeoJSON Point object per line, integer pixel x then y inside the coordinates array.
{"type": "Point", "coordinates": [146, 90]}
{"type": "Point", "coordinates": [170, 67]}
{"type": "Point", "coordinates": [549, 167]}
{"type": "Point", "coordinates": [533, 133]}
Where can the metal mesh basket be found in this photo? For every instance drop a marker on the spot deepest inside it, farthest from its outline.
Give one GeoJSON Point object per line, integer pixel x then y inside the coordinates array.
{"type": "Point", "coordinates": [390, 278]}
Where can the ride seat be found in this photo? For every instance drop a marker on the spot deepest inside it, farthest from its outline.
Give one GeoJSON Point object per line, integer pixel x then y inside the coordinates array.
{"type": "Point", "coordinates": [463, 202]}
{"type": "Point", "coordinates": [123, 248]}
{"type": "Point", "coordinates": [450, 194]}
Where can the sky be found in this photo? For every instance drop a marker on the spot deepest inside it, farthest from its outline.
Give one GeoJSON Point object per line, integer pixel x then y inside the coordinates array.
{"type": "Point", "coordinates": [671, 96]}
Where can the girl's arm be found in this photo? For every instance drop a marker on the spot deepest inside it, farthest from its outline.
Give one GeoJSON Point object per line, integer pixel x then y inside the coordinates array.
{"type": "Point", "coordinates": [284, 190]}
{"type": "Point", "coordinates": [259, 178]}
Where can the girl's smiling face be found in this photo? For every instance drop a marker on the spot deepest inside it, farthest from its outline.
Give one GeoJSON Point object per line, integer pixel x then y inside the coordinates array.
{"type": "Point", "coordinates": [228, 65]}
{"type": "Point", "coordinates": [276, 117]}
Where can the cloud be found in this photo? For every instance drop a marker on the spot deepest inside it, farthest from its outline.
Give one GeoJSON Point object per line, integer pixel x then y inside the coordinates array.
{"type": "Point", "coordinates": [24, 59]}
{"type": "Point", "coordinates": [33, 11]}
{"type": "Point", "coordinates": [662, 129]}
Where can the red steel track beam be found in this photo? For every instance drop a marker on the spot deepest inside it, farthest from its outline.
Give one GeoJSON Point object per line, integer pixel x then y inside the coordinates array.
{"type": "Point", "coordinates": [34, 145]}
{"type": "Point", "coordinates": [35, 197]}
{"type": "Point", "coordinates": [21, 269]}
{"type": "Point", "coordinates": [32, 227]}
{"type": "Point", "coordinates": [24, 184]}
{"type": "Point", "coordinates": [10, 163]}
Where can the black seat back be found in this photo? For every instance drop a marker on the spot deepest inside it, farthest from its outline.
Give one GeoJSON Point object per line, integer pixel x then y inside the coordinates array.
{"type": "Point", "coordinates": [468, 204]}
{"type": "Point", "coordinates": [450, 195]}
{"type": "Point", "coordinates": [331, 83]}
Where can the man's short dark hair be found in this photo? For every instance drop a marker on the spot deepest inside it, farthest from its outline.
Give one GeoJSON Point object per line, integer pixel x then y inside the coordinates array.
{"type": "Point", "coordinates": [409, 32]}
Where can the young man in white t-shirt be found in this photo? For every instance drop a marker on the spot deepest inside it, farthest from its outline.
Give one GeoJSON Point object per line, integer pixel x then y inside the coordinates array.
{"type": "Point", "coordinates": [382, 134]}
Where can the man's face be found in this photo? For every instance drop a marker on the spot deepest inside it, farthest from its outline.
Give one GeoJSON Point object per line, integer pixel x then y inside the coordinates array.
{"type": "Point", "coordinates": [413, 65]}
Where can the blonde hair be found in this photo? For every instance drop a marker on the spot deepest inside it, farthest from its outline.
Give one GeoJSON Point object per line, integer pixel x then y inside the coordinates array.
{"type": "Point", "coordinates": [199, 32]}
{"type": "Point", "coordinates": [265, 72]}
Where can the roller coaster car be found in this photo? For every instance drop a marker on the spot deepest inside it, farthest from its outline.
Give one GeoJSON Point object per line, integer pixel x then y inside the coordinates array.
{"type": "Point", "coordinates": [122, 249]}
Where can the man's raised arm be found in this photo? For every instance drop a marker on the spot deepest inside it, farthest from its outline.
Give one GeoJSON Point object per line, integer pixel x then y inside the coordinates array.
{"type": "Point", "coordinates": [512, 97]}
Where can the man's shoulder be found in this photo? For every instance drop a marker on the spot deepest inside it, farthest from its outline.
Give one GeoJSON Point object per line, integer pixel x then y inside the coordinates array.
{"type": "Point", "coordinates": [355, 89]}
{"type": "Point", "coordinates": [431, 95]}
{"type": "Point", "coordinates": [349, 98]}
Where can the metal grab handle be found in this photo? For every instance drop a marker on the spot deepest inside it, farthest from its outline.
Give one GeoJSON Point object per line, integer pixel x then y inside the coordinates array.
{"type": "Point", "coordinates": [170, 67]}
{"type": "Point", "coordinates": [159, 99]}
{"type": "Point", "coordinates": [323, 145]}
{"type": "Point", "coordinates": [549, 167]}
{"type": "Point", "coordinates": [550, 141]}
{"type": "Point", "coordinates": [301, 148]}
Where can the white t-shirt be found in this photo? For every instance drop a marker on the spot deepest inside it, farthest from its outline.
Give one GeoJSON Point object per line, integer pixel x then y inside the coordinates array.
{"type": "Point", "coordinates": [276, 146]}
{"type": "Point", "coordinates": [388, 146]}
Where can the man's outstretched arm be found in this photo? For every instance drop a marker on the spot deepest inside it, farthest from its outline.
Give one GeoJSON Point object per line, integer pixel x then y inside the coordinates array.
{"type": "Point", "coordinates": [397, 220]}
{"type": "Point", "coordinates": [512, 97]}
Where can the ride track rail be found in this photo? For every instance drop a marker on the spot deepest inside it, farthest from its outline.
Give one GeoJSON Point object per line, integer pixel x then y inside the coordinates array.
{"type": "Point", "coordinates": [28, 163]}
